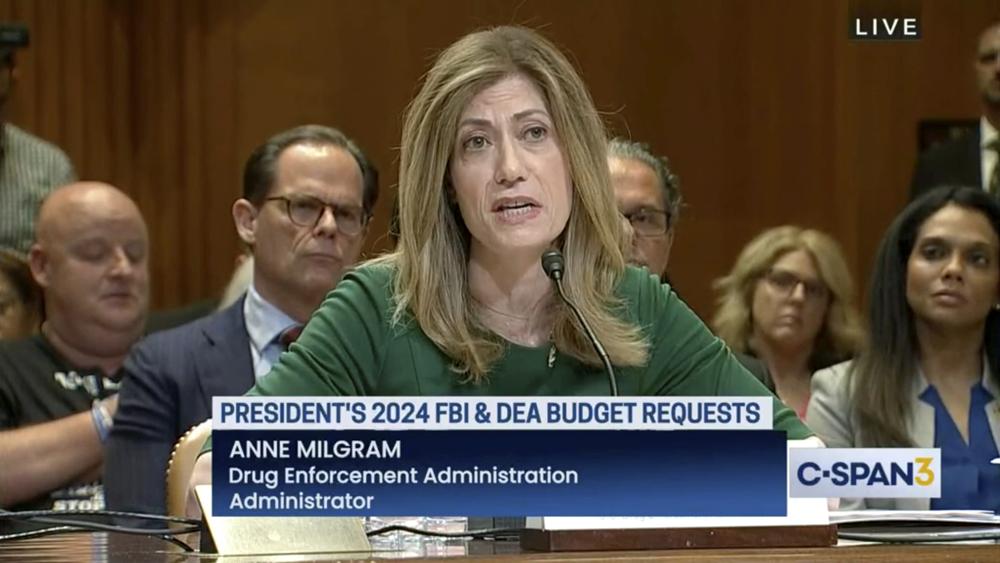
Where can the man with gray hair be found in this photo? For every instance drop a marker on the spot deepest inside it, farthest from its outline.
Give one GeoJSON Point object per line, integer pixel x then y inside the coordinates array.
{"type": "Point", "coordinates": [649, 196]}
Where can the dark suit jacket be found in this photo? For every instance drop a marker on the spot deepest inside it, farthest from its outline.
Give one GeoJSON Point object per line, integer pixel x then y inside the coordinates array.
{"type": "Point", "coordinates": [955, 163]}
{"type": "Point", "coordinates": [757, 368]}
{"type": "Point", "coordinates": [172, 318]}
{"type": "Point", "coordinates": [170, 379]}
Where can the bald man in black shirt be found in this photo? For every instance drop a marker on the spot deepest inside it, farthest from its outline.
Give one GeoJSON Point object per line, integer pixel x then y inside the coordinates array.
{"type": "Point", "coordinates": [57, 389]}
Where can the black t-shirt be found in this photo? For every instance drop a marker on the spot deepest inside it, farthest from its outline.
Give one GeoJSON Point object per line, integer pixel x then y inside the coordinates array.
{"type": "Point", "coordinates": [38, 385]}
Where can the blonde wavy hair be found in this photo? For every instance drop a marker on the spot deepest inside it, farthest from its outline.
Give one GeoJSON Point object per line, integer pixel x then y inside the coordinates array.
{"type": "Point", "coordinates": [841, 334]}
{"type": "Point", "coordinates": [431, 259]}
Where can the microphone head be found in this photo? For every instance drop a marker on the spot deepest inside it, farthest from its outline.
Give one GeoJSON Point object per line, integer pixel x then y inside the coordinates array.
{"type": "Point", "coordinates": [552, 263]}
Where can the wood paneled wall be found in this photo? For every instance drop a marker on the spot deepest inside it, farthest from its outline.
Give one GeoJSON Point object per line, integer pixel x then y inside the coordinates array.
{"type": "Point", "coordinates": [769, 114]}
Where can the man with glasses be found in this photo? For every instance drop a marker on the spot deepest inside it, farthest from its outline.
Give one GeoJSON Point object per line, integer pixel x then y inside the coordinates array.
{"type": "Point", "coordinates": [649, 197]}
{"type": "Point", "coordinates": [972, 159]}
{"type": "Point", "coordinates": [308, 194]}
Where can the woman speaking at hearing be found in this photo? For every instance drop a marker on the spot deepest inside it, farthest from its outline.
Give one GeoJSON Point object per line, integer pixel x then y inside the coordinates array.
{"type": "Point", "coordinates": [503, 157]}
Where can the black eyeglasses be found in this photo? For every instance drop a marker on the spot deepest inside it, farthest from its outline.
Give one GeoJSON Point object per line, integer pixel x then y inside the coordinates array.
{"type": "Point", "coordinates": [785, 282]}
{"type": "Point", "coordinates": [306, 211]}
{"type": "Point", "coordinates": [987, 57]}
{"type": "Point", "coordinates": [649, 222]}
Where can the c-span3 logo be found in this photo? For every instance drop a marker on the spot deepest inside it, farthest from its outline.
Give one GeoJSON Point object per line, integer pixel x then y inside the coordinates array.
{"type": "Point", "coordinates": [865, 472]}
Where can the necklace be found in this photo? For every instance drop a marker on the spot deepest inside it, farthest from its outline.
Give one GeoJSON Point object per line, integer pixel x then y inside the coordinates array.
{"type": "Point", "coordinates": [501, 313]}
{"type": "Point", "coordinates": [550, 358]}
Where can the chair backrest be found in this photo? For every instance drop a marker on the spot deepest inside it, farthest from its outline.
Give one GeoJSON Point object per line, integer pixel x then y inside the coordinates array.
{"type": "Point", "coordinates": [181, 466]}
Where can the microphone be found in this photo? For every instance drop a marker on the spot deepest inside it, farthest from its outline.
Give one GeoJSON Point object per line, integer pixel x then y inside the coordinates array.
{"type": "Point", "coordinates": [554, 265]}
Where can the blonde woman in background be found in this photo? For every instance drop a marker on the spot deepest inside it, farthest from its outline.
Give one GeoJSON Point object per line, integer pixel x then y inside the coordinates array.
{"type": "Point", "coordinates": [789, 301]}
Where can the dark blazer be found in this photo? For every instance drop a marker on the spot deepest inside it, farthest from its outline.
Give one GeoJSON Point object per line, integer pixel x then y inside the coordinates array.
{"type": "Point", "coordinates": [170, 379]}
{"type": "Point", "coordinates": [955, 162]}
{"type": "Point", "coordinates": [757, 368]}
{"type": "Point", "coordinates": [172, 318]}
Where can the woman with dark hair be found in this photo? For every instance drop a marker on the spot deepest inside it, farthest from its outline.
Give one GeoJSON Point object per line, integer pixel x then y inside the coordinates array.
{"type": "Point", "coordinates": [20, 298]}
{"type": "Point", "coordinates": [929, 377]}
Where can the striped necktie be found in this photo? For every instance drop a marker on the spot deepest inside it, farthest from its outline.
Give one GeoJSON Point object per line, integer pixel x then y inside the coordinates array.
{"type": "Point", "coordinates": [289, 335]}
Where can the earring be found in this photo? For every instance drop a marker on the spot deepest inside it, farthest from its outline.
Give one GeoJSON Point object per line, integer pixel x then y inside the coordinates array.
{"type": "Point", "coordinates": [996, 306]}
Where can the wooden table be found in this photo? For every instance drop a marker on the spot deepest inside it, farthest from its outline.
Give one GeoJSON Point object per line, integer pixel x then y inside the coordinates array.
{"type": "Point", "coordinates": [119, 548]}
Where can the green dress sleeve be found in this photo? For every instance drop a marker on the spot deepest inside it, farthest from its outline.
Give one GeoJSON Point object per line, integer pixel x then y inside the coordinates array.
{"type": "Point", "coordinates": [686, 358]}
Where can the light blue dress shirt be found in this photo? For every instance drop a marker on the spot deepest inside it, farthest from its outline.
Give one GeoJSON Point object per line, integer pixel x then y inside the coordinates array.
{"type": "Point", "coordinates": [265, 323]}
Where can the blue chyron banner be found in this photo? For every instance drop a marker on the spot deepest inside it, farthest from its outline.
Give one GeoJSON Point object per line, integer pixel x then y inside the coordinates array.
{"type": "Point", "coordinates": [499, 472]}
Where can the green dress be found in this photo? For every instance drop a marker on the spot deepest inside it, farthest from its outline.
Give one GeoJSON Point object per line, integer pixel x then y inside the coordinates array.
{"type": "Point", "coordinates": [350, 347]}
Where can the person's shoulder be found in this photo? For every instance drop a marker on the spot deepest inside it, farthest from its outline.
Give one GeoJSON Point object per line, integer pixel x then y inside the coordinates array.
{"type": "Point", "coordinates": [645, 296]}
{"type": "Point", "coordinates": [948, 150]}
{"type": "Point", "coordinates": [24, 354]}
{"type": "Point", "coordinates": [756, 367]}
{"type": "Point", "coordinates": [373, 279]}
{"type": "Point", "coordinates": [833, 380]}
{"type": "Point", "coordinates": [21, 141]}
{"type": "Point", "coordinates": [831, 413]}
{"type": "Point", "coordinates": [639, 283]}
{"type": "Point", "coordinates": [166, 319]}
{"type": "Point", "coordinates": [31, 345]}
{"type": "Point", "coordinates": [378, 272]}
{"type": "Point", "coordinates": [835, 372]}
{"type": "Point", "coordinates": [228, 319]}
